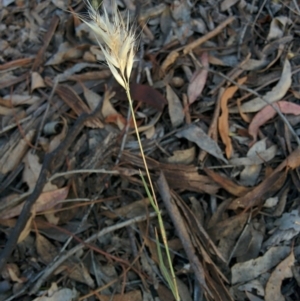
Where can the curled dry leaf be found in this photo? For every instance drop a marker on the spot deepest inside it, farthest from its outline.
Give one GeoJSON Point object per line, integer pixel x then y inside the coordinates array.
{"type": "Point", "coordinates": [32, 171]}
{"type": "Point", "coordinates": [198, 80]}
{"type": "Point", "coordinates": [268, 113]}
{"type": "Point", "coordinates": [277, 93]}
{"type": "Point", "coordinates": [26, 230]}
{"type": "Point", "coordinates": [110, 114]}
{"type": "Point", "coordinates": [281, 272]}
{"type": "Point", "coordinates": [15, 154]}
{"type": "Point", "coordinates": [92, 98]}
{"type": "Point", "coordinates": [277, 28]}
{"type": "Point", "coordinates": [45, 201]}
{"type": "Point", "coordinates": [58, 58]}
{"type": "Point", "coordinates": [36, 81]}
{"type": "Point", "coordinates": [56, 140]}
{"type": "Point", "coordinates": [169, 60]}
{"type": "Point", "coordinates": [223, 123]}
{"type": "Point", "coordinates": [185, 156]}
{"type": "Point", "coordinates": [269, 185]}
{"type": "Point", "coordinates": [78, 272]}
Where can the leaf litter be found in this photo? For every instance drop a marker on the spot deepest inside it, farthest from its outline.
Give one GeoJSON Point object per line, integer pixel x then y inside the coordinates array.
{"type": "Point", "coordinates": [208, 83]}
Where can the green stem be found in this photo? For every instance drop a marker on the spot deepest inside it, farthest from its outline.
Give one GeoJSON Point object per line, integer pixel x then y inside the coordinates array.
{"type": "Point", "coordinates": [160, 221]}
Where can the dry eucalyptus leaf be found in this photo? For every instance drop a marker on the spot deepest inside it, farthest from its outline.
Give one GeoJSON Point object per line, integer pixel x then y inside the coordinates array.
{"type": "Point", "coordinates": [268, 112]}
{"type": "Point", "coordinates": [64, 294]}
{"type": "Point", "coordinates": [198, 80]}
{"type": "Point", "coordinates": [78, 272]}
{"type": "Point", "coordinates": [56, 140]}
{"type": "Point", "coordinates": [26, 230]}
{"type": "Point", "coordinates": [58, 58]}
{"type": "Point", "coordinates": [250, 173]}
{"type": "Point", "coordinates": [277, 93]}
{"type": "Point", "coordinates": [17, 100]}
{"type": "Point", "coordinates": [92, 98]}
{"type": "Point", "coordinates": [62, 4]}
{"type": "Point", "coordinates": [248, 270]}
{"type": "Point", "coordinates": [45, 249]}
{"type": "Point", "coordinates": [226, 4]}
{"type": "Point", "coordinates": [36, 81]}
{"type": "Point", "coordinates": [175, 107]}
{"type": "Point", "coordinates": [13, 157]}
{"type": "Point", "coordinates": [195, 134]}
{"type": "Point", "coordinates": [32, 171]}
{"type": "Point", "coordinates": [130, 296]}
{"type": "Point", "coordinates": [277, 28]}
{"type": "Point", "coordinates": [185, 156]}
{"type": "Point", "coordinates": [257, 158]}
{"type": "Point", "coordinates": [281, 272]}
{"type": "Point", "coordinates": [45, 201]}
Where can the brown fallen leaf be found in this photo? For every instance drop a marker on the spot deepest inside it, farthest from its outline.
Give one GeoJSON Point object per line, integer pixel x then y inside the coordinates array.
{"type": "Point", "coordinates": [278, 27]}
{"type": "Point", "coordinates": [274, 180]}
{"type": "Point", "coordinates": [198, 80]}
{"type": "Point", "coordinates": [71, 98]}
{"type": "Point", "coordinates": [46, 41]}
{"type": "Point", "coordinates": [175, 107]}
{"type": "Point", "coordinates": [57, 139]}
{"type": "Point", "coordinates": [281, 272]}
{"type": "Point", "coordinates": [268, 113]}
{"type": "Point", "coordinates": [223, 123]}
{"type": "Point", "coordinates": [227, 184]}
{"type": "Point", "coordinates": [133, 209]}
{"type": "Point", "coordinates": [182, 231]}
{"type": "Point", "coordinates": [15, 154]}
{"type": "Point", "coordinates": [194, 133]}
{"type": "Point", "coordinates": [251, 269]}
{"type": "Point", "coordinates": [277, 93]}
{"type": "Point", "coordinates": [143, 93]}
{"type": "Point", "coordinates": [45, 201]}
{"type": "Point", "coordinates": [32, 171]}
{"type": "Point", "coordinates": [179, 176]}
{"type": "Point", "coordinates": [26, 230]}
{"type": "Point", "coordinates": [36, 81]}
{"type": "Point", "coordinates": [169, 60]}
{"type": "Point", "coordinates": [45, 249]}
{"type": "Point", "coordinates": [76, 271]}
{"type": "Point", "coordinates": [130, 296]}
{"type": "Point", "coordinates": [16, 64]}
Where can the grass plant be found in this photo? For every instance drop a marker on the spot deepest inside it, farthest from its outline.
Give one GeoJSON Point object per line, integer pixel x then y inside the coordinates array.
{"type": "Point", "coordinates": [117, 40]}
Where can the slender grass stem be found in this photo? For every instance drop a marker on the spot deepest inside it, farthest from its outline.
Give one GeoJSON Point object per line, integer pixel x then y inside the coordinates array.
{"type": "Point", "coordinates": [153, 200]}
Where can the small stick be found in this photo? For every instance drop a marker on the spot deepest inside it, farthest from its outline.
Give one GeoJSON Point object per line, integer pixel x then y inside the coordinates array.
{"type": "Point", "coordinates": [188, 48]}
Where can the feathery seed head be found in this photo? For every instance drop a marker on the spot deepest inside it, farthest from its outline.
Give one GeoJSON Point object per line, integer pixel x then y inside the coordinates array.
{"type": "Point", "coordinates": [118, 41]}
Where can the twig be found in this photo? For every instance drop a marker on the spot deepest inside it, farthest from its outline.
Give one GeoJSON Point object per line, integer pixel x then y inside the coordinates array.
{"type": "Point", "coordinates": [50, 269]}
{"type": "Point", "coordinates": [188, 48]}
{"type": "Point", "coordinates": [174, 213]}
{"type": "Point", "coordinates": [46, 111]}
{"type": "Point", "coordinates": [72, 172]}
{"type": "Point", "coordinates": [52, 161]}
